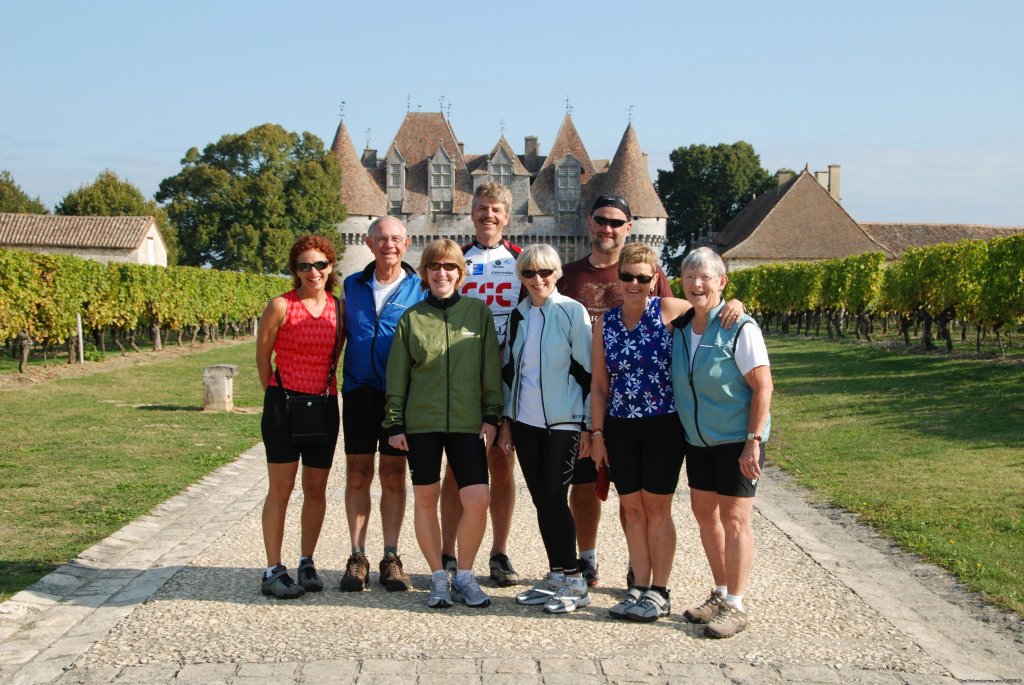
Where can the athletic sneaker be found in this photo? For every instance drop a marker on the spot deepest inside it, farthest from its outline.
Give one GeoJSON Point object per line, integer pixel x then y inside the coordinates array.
{"type": "Point", "coordinates": [357, 569]}
{"type": "Point", "coordinates": [502, 572]}
{"type": "Point", "coordinates": [571, 596]}
{"type": "Point", "coordinates": [542, 591]}
{"type": "Point", "coordinates": [309, 579]}
{"type": "Point", "coordinates": [651, 607]}
{"type": "Point", "coordinates": [727, 623]}
{"type": "Point", "coordinates": [449, 564]}
{"type": "Point", "coordinates": [706, 611]}
{"type": "Point", "coordinates": [281, 585]}
{"type": "Point", "coordinates": [392, 575]}
{"type": "Point", "coordinates": [440, 591]}
{"type": "Point", "coordinates": [469, 593]}
{"type": "Point", "coordinates": [589, 571]}
{"type": "Point", "coordinates": [633, 596]}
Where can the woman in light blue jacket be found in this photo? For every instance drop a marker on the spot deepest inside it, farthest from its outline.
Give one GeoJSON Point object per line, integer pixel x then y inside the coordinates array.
{"type": "Point", "coordinates": [546, 381]}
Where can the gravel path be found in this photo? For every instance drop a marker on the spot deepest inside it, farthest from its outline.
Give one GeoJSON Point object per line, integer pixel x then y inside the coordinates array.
{"type": "Point", "coordinates": [174, 597]}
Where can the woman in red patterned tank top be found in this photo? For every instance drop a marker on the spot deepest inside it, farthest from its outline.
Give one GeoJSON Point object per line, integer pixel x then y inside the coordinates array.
{"type": "Point", "coordinates": [299, 329]}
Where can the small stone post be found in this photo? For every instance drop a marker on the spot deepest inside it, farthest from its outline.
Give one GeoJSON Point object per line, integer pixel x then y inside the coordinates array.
{"type": "Point", "coordinates": [218, 387]}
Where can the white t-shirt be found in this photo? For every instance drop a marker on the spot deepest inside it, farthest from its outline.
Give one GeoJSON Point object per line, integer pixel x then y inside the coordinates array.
{"type": "Point", "coordinates": [381, 293]}
{"type": "Point", "coordinates": [751, 351]}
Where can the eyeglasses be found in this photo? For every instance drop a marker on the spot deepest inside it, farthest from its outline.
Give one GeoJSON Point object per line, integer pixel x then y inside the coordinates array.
{"type": "Point", "coordinates": [530, 273]}
{"type": "Point", "coordinates": [306, 266]}
{"type": "Point", "coordinates": [385, 239]}
{"type": "Point", "coordinates": [627, 277]}
{"type": "Point", "coordinates": [437, 266]}
{"type": "Point", "coordinates": [605, 221]}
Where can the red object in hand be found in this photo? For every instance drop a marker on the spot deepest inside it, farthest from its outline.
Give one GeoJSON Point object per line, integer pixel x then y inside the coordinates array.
{"type": "Point", "coordinates": [601, 487]}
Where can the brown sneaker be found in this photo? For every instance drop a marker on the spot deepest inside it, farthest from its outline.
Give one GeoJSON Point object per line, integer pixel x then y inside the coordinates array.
{"type": "Point", "coordinates": [727, 623]}
{"type": "Point", "coordinates": [706, 611]}
{"type": "Point", "coordinates": [392, 575]}
{"type": "Point", "coordinates": [357, 569]}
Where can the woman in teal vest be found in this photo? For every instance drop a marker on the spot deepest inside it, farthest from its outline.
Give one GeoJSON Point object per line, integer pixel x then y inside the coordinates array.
{"type": "Point", "coordinates": [723, 389]}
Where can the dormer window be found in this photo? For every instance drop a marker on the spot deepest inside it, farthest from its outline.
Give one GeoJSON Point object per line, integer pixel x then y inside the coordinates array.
{"type": "Point", "coordinates": [502, 173]}
{"type": "Point", "coordinates": [441, 175]}
{"type": "Point", "coordinates": [394, 175]}
{"type": "Point", "coordinates": [568, 177]}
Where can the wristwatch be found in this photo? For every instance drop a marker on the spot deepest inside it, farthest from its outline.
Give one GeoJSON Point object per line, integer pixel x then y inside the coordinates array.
{"type": "Point", "coordinates": [753, 436]}
{"type": "Point", "coordinates": [597, 433]}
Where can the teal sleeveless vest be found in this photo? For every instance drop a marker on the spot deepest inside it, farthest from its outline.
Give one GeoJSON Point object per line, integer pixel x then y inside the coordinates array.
{"type": "Point", "coordinates": [713, 401]}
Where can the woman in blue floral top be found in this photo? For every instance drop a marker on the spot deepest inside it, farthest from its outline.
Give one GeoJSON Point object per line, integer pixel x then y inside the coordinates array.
{"type": "Point", "coordinates": [636, 429]}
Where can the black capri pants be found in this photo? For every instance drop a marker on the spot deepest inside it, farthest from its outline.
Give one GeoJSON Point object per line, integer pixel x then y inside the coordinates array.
{"type": "Point", "coordinates": [547, 459]}
{"type": "Point", "coordinates": [277, 436]}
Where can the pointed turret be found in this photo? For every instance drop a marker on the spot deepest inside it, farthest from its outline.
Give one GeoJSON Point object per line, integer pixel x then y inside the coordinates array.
{"type": "Point", "coordinates": [628, 176]}
{"type": "Point", "coordinates": [359, 191]}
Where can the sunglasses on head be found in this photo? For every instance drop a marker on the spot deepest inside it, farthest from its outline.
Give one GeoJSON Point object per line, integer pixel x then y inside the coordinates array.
{"type": "Point", "coordinates": [437, 266]}
{"type": "Point", "coordinates": [639, 278]}
{"type": "Point", "coordinates": [306, 266]}
{"type": "Point", "coordinates": [530, 273]}
{"type": "Point", "coordinates": [605, 221]}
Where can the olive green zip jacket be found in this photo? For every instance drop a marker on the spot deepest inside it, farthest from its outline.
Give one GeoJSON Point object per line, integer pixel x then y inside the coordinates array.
{"type": "Point", "coordinates": [444, 370]}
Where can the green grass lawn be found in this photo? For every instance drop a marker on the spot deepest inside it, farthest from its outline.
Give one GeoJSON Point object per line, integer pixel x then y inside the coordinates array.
{"type": "Point", "coordinates": [82, 457]}
{"type": "Point", "coordinates": [925, 448]}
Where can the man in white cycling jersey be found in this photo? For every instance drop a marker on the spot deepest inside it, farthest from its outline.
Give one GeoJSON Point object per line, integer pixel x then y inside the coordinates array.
{"type": "Point", "coordinates": [491, 277]}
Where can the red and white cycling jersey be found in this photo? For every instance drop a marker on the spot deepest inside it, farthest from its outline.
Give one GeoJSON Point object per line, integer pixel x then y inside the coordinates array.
{"type": "Point", "coordinates": [491, 277]}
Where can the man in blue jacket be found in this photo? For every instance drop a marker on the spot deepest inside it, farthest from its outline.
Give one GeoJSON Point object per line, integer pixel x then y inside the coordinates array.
{"type": "Point", "coordinates": [375, 298]}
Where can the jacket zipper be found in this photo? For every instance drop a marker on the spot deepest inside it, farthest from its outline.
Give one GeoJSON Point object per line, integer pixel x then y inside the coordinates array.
{"type": "Point", "coordinates": [448, 374]}
{"type": "Point", "coordinates": [693, 391]}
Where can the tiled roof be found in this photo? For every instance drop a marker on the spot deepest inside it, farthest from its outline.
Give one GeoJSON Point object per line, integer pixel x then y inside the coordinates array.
{"type": "Point", "coordinates": [43, 230]}
{"type": "Point", "coordinates": [896, 238]}
{"type": "Point", "coordinates": [517, 166]}
{"type": "Point", "coordinates": [567, 142]}
{"type": "Point", "coordinates": [628, 176]}
{"type": "Point", "coordinates": [359, 191]}
{"type": "Point", "coordinates": [418, 139]}
{"type": "Point", "coordinates": [798, 220]}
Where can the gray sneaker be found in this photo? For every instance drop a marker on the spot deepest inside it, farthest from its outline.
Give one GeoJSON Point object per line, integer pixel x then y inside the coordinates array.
{"type": "Point", "coordinates": [706, 611]}
{"type": "Point", "coordinates": [727, 623]}
{"type": "Point", "coordinates": [542, 591]}
{"type": "Point", "coordinates": [469, 593]}
{"type": "Point", "coordinates": [632, 597]}
{"type": "Point", "coordinates": [281, 585]}
{"type": "Point", "coordinates": [440, 591]}
{"type": "Point", "coordinates": [571, 596]}
{"type": "Point", "coordinates": [651, 607]}
{"type": "Point", "coordinates": [502, 572]}
{"type": "Point", "coordinates": [309, 578]}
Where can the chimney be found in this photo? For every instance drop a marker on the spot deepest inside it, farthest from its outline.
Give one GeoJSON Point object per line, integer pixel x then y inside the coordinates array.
{"type": "Point", "coordinates": [462, 149]}
{"type": "Point", "coordinates": [369, 159]}
{"type": "Point", "coordinates": [530, 146]}
{"type": "Point", "coordinates": [833, 182]}
{"type": "Point", "coordinates": [822, 178]}
{"type": "Point", "coordinates": [784, 177]}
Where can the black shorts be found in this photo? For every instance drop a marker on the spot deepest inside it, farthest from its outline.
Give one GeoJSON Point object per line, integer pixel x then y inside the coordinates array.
{"type": "Point", "coordinates": [645, 453]}
{"type": "Point", "coordinates": [274, 428]}
{"type": "Point", "coordinates": [717, 469]}
{"type": "Point", "coordinates": [362, 411]}
{"type": "Point", "coordinates": [584, 472]}
{"type": "Point", "coordinates": [466, 455]}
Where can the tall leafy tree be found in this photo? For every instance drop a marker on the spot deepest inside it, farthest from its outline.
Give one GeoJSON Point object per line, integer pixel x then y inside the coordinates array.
{"type": "Point", "coordinates": [14, 199]}
{"type": "Point", "coordinates": [706, 187]}
{"type": "Point", "coordinates": [110, 195]}
{"type": "Point", "coordinates": [241, 202]}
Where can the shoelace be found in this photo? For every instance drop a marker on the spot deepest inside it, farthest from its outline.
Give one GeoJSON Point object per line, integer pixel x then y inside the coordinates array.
{"type": "Point", "coordinates": [354, 565]}
{"type": "Point", "coordinates": [438, 586]}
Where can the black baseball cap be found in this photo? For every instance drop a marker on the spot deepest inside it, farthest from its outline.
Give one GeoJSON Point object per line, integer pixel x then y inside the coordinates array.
{"type": "Point", "coordinates": [615, 201]}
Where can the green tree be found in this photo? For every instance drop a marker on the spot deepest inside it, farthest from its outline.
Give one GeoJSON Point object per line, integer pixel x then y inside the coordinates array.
{"type": "Point", "coordinates": [706, 187]}
{"type": "Point", "coordinates": [14, 199]}
{"type": "Point", "coordinates": [241, 202]}
{"type": "Point", "coordinates": [109, 195]}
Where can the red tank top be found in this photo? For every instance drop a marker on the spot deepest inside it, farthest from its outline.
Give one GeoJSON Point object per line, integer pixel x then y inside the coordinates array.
{"type": "Point", "coordinates": [304, 345]}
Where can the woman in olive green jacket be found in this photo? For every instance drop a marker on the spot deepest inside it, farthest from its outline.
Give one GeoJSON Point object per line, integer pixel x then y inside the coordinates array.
{"type": "Point", "coordinates": [444, 395]}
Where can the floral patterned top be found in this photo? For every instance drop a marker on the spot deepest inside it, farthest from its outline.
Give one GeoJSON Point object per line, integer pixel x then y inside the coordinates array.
{"type": "Point", "coordinates": [639, 364]}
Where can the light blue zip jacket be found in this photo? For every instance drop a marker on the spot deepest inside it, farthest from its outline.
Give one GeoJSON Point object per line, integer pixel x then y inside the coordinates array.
{"type": "Point", "coordinates": [565, 347]}
{"type": "Point", "coordinates": [712, 400]}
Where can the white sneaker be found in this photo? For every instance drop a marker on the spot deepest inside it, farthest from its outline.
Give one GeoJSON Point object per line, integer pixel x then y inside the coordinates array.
{"type": "Point", "coordinates": [542, 591]}
{"type": "Point", "coordinates": [570, 596]}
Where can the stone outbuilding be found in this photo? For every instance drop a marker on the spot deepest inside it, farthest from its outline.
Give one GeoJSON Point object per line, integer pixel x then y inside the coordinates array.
{"type": "Point", "coordinates": [133, 239]}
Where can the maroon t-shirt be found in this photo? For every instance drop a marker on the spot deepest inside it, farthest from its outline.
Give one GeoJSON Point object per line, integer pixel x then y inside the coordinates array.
{"type": "Point", "coordinates": [597, 289]}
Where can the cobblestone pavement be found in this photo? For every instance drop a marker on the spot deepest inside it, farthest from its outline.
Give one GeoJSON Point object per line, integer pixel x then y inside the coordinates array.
{"type": "Point", "coordinates": [174, 598]}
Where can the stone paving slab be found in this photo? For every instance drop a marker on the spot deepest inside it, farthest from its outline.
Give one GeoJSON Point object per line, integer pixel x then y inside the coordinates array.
{"type": "Point", "coordinates": [173, 598]}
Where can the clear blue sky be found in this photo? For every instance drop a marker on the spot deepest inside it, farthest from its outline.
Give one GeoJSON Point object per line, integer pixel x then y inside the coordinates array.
{"type": "Point", "coordinates": [920, 102]}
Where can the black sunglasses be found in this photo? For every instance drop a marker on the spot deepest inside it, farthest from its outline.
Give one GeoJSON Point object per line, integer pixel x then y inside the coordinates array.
{"type": "Point", "coordinates": [530, 273]}
{"type": "Point", "coordinates": [447, 266]}
{"type": "Point", "coordinates": [639, 278]}
{"type": "Point", "coordinates": [306, 266]}
{"type": "Point", "coordinates": [605, 221]}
